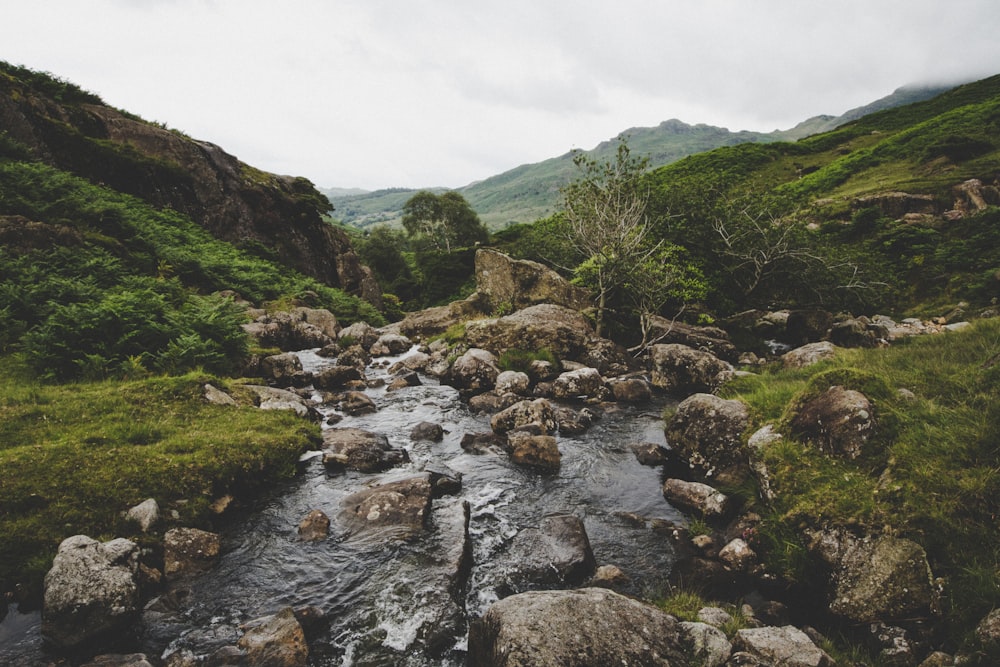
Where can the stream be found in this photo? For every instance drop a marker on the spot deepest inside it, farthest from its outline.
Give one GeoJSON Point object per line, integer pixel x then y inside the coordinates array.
{"type": "Point", "coordinates": [386, 600]}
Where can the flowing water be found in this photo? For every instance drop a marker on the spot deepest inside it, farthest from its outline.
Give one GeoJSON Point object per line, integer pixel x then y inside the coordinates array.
{"type": "Point", "coordinates": [397, 602]}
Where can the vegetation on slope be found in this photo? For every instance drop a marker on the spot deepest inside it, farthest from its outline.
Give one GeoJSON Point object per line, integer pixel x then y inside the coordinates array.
{"type": "Point", "coordinates": [74, 457]}
{"type": "Point", "coordinates": [931, 475]}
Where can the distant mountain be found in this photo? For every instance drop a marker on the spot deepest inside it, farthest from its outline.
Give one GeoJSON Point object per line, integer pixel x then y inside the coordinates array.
{"type": "Point", "coordinates": [531, 191]}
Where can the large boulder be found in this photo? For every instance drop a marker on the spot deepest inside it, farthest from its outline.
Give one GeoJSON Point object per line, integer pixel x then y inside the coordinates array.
{"type": "Point", "coordinates": [563, 331]}
{"type": "Point", "coordinates": [91, 591]}
{"type": "Point", "coordinates": [358, 449]}
{"type": "Point", "coordinates": [399, 509]}
{"type": "Point", "coordinates": [876, 578]}
{"type": "Point", "coordinates": [474, 372]}
{"type": "Point", "coordinates": [707, 432]}
{"type": "Point", "coordinates": [424, 324]}
{"type": "Point", "coordinates": [336, 378]}
{"type": "Point", "coordinates": [839, 421]}
{"type": "Point", "coordinates": [359, 333]}
{"type": "Point", "coordinates": [588, 627]}
{"type": "Point", "coordinates": [681, 370]}
{"type": "Point", "coordinates": [518, 283]}
{"type": "Point", "coordinates": [390, 344]}
{"type": "Point", "coordinates": [709, 646]}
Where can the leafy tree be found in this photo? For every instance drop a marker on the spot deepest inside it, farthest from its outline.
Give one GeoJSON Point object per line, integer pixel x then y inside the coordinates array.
{"type": "Point", "coordinates": [444, 221]}
{"type": "Point", "coordinates": [607, 225]}
{"type": "Point", "coordinates": [663, 278]}
{"type": "Point", "coordinates": [382, 250]}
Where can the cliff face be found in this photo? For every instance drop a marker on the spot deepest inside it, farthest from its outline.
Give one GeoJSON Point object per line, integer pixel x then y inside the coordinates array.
{"type": "Point", "coordinates": [279, 216]}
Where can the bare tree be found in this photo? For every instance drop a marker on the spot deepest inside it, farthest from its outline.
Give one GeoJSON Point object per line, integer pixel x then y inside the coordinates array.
{"type": "Point", "coordinates": [605, 211]}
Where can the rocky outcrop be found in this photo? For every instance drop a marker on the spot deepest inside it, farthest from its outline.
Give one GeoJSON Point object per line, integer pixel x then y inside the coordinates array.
{"type": "Point", "coordinates": [516, 283]}
{"type": "Point", "coordinates": [563, 331]}
{"type": "Point", "coordinates": [706, 431]}
{"type": "Point", "coordinates": [357, 449]}
{"type": "Point", "coordinates": [169, 170]}
{"type": "Point", "coordinates": [91, 591]}
{"type": "Point", "coordinates": [839, 421]}
{"type": "Point", "coordinates": [588, 627]}
{"type": "Point", "coordinates": [898, 204]}
{"type": "Point", "coordinates": [423, 324]}
{"type": "Point", "coordinates": [681, 370]}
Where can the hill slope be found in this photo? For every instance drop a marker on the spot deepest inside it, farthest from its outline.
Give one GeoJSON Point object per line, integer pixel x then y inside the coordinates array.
{"type": "Point", "coordinates": [531, 191]}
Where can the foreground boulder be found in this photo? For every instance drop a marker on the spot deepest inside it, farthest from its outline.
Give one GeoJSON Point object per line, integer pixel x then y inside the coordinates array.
{"type": "Point", "coordinates": [681, 370]}
{"type": "Point", "coordinates": [707, 432]}
{"type": "Point", "coordinates": [91, 592]}
{"type": "Point", "coordinates": [588, 627]}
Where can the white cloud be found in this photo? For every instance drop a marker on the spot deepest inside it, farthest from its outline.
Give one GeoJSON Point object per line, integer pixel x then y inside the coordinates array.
{"type": "Point", "coordinates": [441, 92]}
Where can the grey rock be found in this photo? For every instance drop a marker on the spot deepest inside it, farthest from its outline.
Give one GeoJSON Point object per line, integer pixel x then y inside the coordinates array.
{"type": "Point", "coordinates": [707, 432]}
{"type": "Point", "coordinates": [557, 552]}
{"type": "Point", "coordinates": [581, 383]}
{"type": "Point", "coordinates": [358, 449]}
{"type": "Point", "coordinates": [588, 627]}
{"type": "Point", "coordinates": [697, 497]}
{"type": "Point", "coordinates": [91, 592]}
{"type": "Point", "coordinates": [839, 421]}
{"type": "Point", "coordinates": [681, 370]}
{"type": "Point", "coordinates": [809, 354]}
{"type": "Point", "coordinates": [709, 645]}
{"type": "Point", "coordinates": [396, 509]}
{"type": "Point", "coordinates": [787, 646]}
{"type": "Point", "coordinates": [145, 514]}
{"type": "Point", "coordinates": [537, 412]}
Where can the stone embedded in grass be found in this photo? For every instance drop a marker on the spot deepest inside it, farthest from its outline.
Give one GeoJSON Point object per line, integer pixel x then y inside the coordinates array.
{"type": "Point", "coordinates": [145, 514]}
{"type": "Point", "coordinates": [697, 497]}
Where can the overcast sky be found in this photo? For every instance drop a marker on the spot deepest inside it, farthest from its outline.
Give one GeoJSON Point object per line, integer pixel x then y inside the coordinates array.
{"type": "Point", "coordinates": [418, 93]}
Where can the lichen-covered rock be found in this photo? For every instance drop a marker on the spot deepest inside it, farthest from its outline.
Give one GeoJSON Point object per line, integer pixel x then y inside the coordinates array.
{"type": "Point", "coordinates": [706, 431]}
{"type": "Point", "coordinates": [398, 509]}
{"type": "Point", "coordinates": [887, 578]}
{"type": "Point", "coordinates": [358, 449]}
{"type": "Point", "coordinates": [787, 646]}
{"type": "Point", "coordinates": [988, 630]}
{"type": "Point", "coordinates": [91, 591]}
{"type": "Point", "coordinates": [513, 382]}
{"type": "Point", "coordinates": [587, 627]}
{"type": "Point", "coordinates": [556, 552]}
{"type": "Point", "coordinates": [390, 344]}
{"type": "Point", "coordinates": [681, 370]}
{"type": "Point", "coordinates": [537, 414]}
{"type": "Point", "coordinates": [359, 333]}
{"type": "Point", "coordinates": [272, 398]}
{"type": "Point", "coordinates": [709, 646]}
{"type": "Point", "coordinates": [839, 421]}
{"type": "Point", "coordinates": [286, 331]}
{"type": "Point", "coordinates": [189, 550]}
{"type": "Point", "coordinates": [582, 382]}
{"type": "Point", "coordinates": [738, 556]}
{"type": "Point", "coordinates": [475, 371]}
{"type": "Point", "coordinates": [696, 497]}
{"type": "Point", "coordinates": [631, 390]}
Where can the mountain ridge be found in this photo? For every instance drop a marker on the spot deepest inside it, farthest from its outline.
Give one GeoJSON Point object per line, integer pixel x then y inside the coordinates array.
{"type": "Point", "coordinates": [530, 191]}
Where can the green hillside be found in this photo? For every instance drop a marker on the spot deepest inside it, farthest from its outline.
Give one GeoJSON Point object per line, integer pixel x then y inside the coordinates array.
{"type": "Point", "coordinates": [531, 191]}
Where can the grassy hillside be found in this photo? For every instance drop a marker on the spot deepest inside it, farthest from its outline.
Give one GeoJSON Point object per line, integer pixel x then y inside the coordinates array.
{"type": "Point", "coordinates": [532, 191]}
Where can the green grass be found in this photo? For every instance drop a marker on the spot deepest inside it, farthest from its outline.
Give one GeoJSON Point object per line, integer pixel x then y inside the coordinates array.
{"type": "Point", "coordinates": [932, 475]}
{"type": "Point", "coordinates": [75, 456]}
